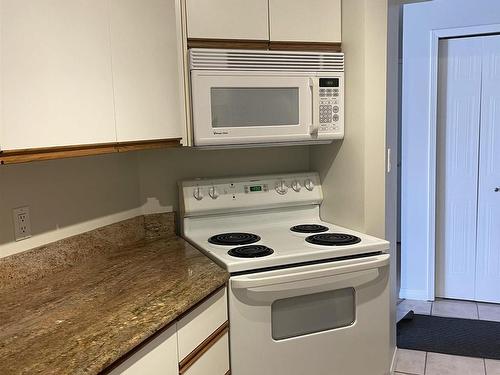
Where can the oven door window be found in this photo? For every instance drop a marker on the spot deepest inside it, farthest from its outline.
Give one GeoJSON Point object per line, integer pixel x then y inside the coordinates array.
{"type": "Point", "coordinates": [254, 106]}
{"type": "Point", "coordinates": [302, 315]}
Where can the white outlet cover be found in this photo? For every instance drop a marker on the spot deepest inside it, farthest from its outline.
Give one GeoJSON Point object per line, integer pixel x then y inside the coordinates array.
{"type": "Point", "coordinates": [22, 223]}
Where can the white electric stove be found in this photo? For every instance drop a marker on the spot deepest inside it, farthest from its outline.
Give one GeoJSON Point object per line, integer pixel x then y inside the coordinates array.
{"type": "Point", "coordinates": [305, 296]}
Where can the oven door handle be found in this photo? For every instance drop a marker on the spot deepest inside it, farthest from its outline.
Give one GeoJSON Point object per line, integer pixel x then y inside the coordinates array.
{"type": "Point", "coordinates": [327, 270]}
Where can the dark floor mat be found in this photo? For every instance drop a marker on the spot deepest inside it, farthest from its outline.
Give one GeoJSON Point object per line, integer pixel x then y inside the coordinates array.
{"type": "Point", "coordinates": [465, 337]}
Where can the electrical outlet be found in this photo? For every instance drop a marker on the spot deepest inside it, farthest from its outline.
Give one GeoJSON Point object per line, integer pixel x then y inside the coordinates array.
{"type": "Point", "coordinates": [22, 223]}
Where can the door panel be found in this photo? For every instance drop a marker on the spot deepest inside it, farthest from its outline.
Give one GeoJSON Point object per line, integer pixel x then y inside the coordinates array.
{"type": "Point", "coordinates": [57, 87]}
{"type": "Point", "coordinates": [459, 99]}
{"type": "Point", "coordinates": [488, 235]}
{"type": "Point", "coordinates": [227, 19]}
{"type": "Point", "coordinates": [291, 21]}
{"type": "Point", "coordinates": [146, 70]}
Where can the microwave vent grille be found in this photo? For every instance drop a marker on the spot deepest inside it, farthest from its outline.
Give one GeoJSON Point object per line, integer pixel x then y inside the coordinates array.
{"type": "Point", "coordinates": [217, 59]}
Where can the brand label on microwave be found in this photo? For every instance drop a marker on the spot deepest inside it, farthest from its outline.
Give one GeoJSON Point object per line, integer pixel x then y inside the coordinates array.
{"type": "Point", "coordinates": [221, 132]}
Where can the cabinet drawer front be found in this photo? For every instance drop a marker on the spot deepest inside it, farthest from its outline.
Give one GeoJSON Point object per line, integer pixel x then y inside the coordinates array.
{"type": "Point", "coordinates": [158, 357]}
{"type": "Point", "coordinates": [214, 362]}
{"type": "Point", "coordinates": [200, 323]}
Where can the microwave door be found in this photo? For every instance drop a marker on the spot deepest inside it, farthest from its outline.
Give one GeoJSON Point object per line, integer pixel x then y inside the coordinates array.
{"type": "Point", "coordinates": [241, 109]}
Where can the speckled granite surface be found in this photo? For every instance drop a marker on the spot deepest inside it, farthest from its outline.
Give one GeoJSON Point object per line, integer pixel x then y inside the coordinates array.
{"type": "Point", "coordinates": [107, 291]}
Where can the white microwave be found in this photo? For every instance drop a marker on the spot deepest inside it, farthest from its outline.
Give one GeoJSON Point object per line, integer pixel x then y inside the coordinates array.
{"type": "Point", "coordinates": [244, 98]}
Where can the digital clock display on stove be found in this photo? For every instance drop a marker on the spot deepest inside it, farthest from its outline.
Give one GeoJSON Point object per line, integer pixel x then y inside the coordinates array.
{"type": "Point", "coordinates": [255, 188]}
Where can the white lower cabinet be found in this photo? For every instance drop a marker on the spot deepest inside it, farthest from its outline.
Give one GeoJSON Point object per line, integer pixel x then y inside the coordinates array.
{"type": "Point", "coordinates": [159, 356]}
{"type": "Point", "coordinates": [197, 344]}
{"type": "Point", "coordinates": [215, 361]}
{"type": "Point", "coordinates": [200, 323]}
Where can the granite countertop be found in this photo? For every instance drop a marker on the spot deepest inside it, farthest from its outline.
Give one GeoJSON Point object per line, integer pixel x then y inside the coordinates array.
{"type": "Point", "coordinates": [100, 305]}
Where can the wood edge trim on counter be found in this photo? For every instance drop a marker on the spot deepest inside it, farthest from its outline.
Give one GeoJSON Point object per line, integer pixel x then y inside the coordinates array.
{"type": "Point", "coordinates": [227, 43]}
{"type": "Point", "coordinates": [201, 349]}
{"type": "Point", "coordinates": [305, 46]}
{"type": "Point", "coordinates": [264, 45]}
{"type": "Point", "coordinates": [50, 153]}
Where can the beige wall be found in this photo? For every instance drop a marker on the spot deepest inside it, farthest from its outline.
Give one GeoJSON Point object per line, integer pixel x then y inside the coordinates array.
{"type": "Point", "coordinates": [353, 170]}
{"type": "Point", "coordinates": [71, 196]}
{"type": "Point", "coordinates": [375, 115]}
{"type": "Point", "coordinates": [67, 197]}
{"type": "Point", "coordinates": [161, 169]}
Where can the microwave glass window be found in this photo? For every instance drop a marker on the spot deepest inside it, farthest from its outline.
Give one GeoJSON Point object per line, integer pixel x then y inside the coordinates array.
{"type": "Point", "coordinates": [254, 106]}
{"type": "Point", "coordinates": [302, 315]}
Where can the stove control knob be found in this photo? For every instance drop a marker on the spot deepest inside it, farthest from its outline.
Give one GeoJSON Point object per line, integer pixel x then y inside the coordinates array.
{"type": "Point", "coordinates": [214, 194]}
{"type": "Point", "coordinates": [198, 194]}
{"type": "Point", "coordinates": [309, 184]}
{"type": "Point", "coordinates": [296, 186]}
{"type": "Point", "coordinates": [281, 187]}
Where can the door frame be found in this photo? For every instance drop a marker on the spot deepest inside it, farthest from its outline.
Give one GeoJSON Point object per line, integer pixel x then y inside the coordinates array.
{"type": "Point", "coordinates": [435, 36]}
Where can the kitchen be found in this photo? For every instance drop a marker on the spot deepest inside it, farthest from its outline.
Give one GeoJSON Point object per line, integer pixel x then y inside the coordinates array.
{"type": "Point", "coordinates": [99, 126]}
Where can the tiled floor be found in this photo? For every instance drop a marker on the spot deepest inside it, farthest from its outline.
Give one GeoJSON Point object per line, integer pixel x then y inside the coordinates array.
{"type": "Point", "coordinates": [414, 362]}
{"type": "Point", "coordinates": [451, 308]}
{"type": "Point", "coordinates": [421, 363]}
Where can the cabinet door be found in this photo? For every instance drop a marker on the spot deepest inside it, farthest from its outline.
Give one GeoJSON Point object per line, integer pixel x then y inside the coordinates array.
{"type": "Point", "coordinates": [299, 21]}
{"type": "Point", "coordinates": [56, 81]}
{"type": "Point", "coordinates": [147, 69]}
{"type": "Point", "coordinates": [228, 19]}
{"type": "Point", "coordinates": [158, 357]}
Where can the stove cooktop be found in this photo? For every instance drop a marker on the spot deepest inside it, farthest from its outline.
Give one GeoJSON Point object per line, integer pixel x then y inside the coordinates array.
{"type": "Point", "coordinates": [255, 222]}
{"type": "Point", "coordinates": [272, 230]}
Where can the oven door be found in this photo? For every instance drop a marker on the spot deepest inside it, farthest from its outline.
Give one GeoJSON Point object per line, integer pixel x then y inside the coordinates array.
{"type": "Point", "coordinates": [323, 319]}
{"type": "Point", "coordinates": [251, 107]}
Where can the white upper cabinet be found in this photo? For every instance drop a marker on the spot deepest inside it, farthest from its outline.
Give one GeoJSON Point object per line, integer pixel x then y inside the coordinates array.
{"type": "Point", "coordinates": [56, 85]}
{"type": "Point", "coordinates": [228, 19]}
{"type": "Point", "coordinates": [305, 21]}
{"type": "Point", "coordinates": [147, 69]}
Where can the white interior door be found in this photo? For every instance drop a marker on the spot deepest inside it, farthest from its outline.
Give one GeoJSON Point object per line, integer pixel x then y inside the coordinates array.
{"type": "Point", "coordinates": [488, 226]}
{"type": "Point", "coordinates": [459, 103]}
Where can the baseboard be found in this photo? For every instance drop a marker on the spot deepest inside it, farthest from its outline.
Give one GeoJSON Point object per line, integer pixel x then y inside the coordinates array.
{"type": "Point", "coordinates": [417, 294]}
{"type": "Point", "coordinates": [393, 362]}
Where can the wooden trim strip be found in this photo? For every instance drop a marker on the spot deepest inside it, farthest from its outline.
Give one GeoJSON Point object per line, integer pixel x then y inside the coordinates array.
{"type": "Point", "coordinates": [305, 46]}
{"type": "Point", "coordinates": [50, 153]}
{"type": "Point", "coordinates": [263, 45]}
{"type": "Point", "coordinates": [147, 145]}
{"type": "Point", "coordinates": [201, 349]}
{"type": "Point", "coordinates": [227, 43]}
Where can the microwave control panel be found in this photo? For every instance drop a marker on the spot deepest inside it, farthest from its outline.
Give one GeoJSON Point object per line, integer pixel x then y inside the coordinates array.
{"type": "Point", "coordinates": [329, 105]}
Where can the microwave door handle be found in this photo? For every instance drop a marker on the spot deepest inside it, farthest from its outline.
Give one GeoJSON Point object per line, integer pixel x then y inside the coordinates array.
{"type": "Point", "coordinates": [314, 85]}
